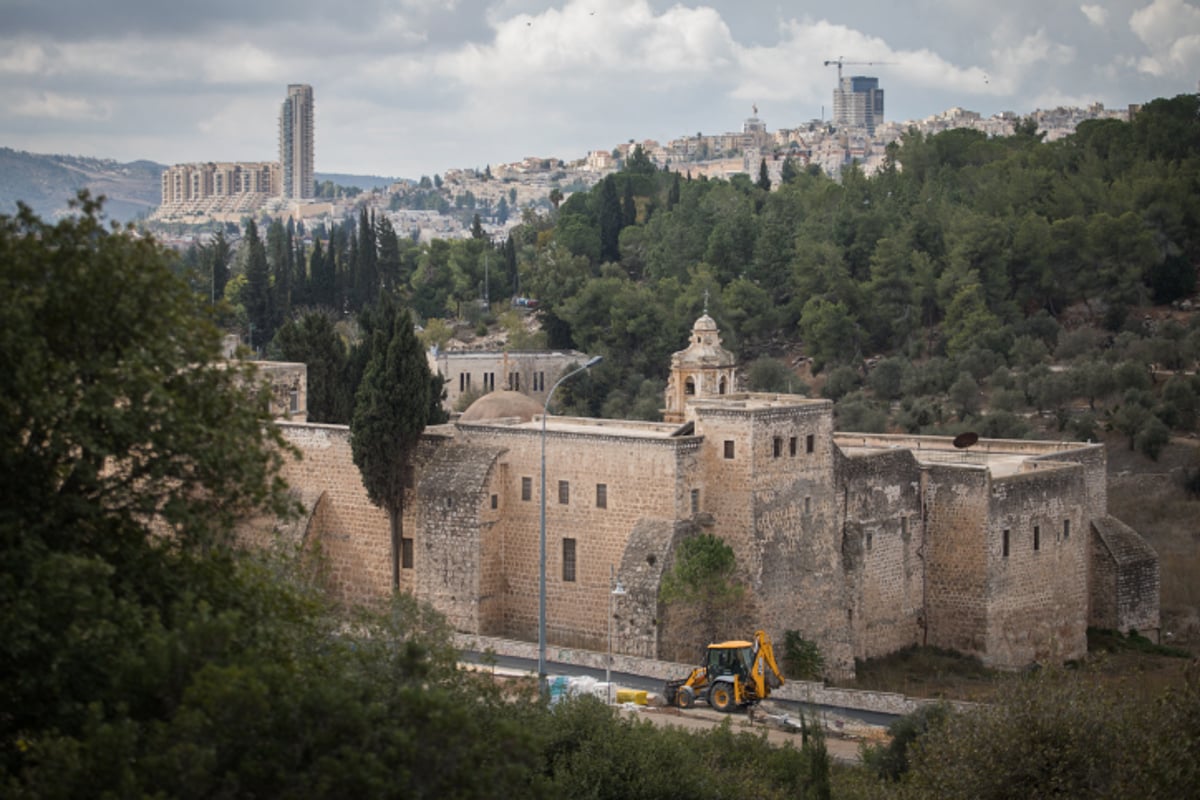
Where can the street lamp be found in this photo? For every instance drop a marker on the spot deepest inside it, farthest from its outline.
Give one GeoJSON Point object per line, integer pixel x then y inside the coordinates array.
{"type": "Point", "coordinates": [542, 536]}
{"type": "Point", "coordinates": [613, 592]}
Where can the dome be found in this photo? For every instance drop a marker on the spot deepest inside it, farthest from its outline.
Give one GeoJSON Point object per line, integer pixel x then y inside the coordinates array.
{"type": "Point", "coordinates": [705, 323]}
{"type": "Point", "coordinates": [501, 405]}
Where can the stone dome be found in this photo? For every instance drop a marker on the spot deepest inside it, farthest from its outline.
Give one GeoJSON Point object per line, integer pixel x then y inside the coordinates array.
{"type": "Point", "coordinates": [501, 405]}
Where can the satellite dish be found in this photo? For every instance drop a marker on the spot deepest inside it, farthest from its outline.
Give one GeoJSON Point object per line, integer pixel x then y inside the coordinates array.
{"type": "Point", "coordinates": [965, 440]}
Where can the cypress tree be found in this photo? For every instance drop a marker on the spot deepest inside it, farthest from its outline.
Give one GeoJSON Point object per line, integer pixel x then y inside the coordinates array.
{"type": "Point", "coordinates": [611, 219]}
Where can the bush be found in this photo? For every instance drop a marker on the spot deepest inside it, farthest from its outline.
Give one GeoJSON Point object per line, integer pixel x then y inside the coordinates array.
{"type": "Point", "coordinates": [802, 659]}
{"type": "Point", "coordinates": [890, 761]}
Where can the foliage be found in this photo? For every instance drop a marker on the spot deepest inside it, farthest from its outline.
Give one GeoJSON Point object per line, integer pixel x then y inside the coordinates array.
{"type": "Point", "coordinates": [312, 340]}
{"type": "Point", "coordinates": [703, 581]}
{"type": "Point", "coordinates": [802, 659]}
{"type": "Point", "coordinates": [890, 761]}
{"type": "Point", "coordinates": [1055, 734]}
{"type": "Point", "coordinates": [392, 406]}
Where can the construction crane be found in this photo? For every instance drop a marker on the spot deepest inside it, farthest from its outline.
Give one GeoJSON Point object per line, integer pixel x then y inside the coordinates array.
{"type": "Point", "coordinates": [839, 61]}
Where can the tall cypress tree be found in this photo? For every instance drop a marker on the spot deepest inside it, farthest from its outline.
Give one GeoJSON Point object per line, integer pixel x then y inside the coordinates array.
{"type": "Point", "coordinates": [611, 219]}
{"type": "Point", "coordinates": [258, 286]}
{"type": "Point", "coordinates": [628, 206]}
{"type": "Point", "coordinates": [391, 409]}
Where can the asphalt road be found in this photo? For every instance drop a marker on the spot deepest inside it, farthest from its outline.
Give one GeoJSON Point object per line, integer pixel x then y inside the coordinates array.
{"type": "Point", "coordinates": [627, 680]}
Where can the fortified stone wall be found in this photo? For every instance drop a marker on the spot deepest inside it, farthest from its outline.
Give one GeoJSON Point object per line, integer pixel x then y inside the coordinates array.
{"type": "Point", "coordinates": [352, 534]}
{"type": "Point", "coordinates": [1125, 580]}
{"type": "Point", "coordinates": [956, 516]}
{"type": "Point", "coordinates": [1037, 581]}
{"type": "Point", "coordinates": [642, 478]}
{"type": "Point", "coordinates": [882, 550]}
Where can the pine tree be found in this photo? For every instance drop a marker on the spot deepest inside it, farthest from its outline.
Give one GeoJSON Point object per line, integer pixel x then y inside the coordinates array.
{"type": "Point", "coordinates": [391, 409]}
{"type": "Point", "coordinates": [628, 206]}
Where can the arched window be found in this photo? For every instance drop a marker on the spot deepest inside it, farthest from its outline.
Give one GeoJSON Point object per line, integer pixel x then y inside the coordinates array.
{"type": "Point", "coordinates": [721, 387]}
{"type": "Point", "coordinates": [689, 386]}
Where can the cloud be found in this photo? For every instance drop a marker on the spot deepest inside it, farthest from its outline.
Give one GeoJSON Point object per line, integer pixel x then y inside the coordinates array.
{"type": "Point", "coordinates": [1097, 15]}
{"type": "Point", "coordinates": [1170, 30]}
{"type": "Point", "coordinates": [48, 105]}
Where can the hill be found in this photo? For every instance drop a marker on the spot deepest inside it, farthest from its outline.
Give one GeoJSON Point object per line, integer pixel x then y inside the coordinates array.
{"type": "Point", "coordinates": [46, 182]}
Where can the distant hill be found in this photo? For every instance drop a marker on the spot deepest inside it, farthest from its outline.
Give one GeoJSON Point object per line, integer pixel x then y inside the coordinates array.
{"type": "Point", "coordinates": [46, 182]}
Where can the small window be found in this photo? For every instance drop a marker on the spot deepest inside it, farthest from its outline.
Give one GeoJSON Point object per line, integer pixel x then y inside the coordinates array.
{"type": "Point", "coordinates": [1066, 529]}
{"type": "Point", "coordinates": [777, 446]}
{"type": "Point", "coordinates": [729, 448]}
{"type": "Point", "coordinates": [514, 381]}
{"type": "Point", "coordinates": [564, 492]}
{"type": "Point", "coordinates": [406, 552]}
{"type": "Point", "coordinates": [294, 401]}
{"type": "Point", "coordinates": [1004, 543]}
{"type": "Point", "coordinates": [495, 501]}
{"type": "Point", "coordinates": [807, 505]}
{"type": "Point", "coordinates": [489, 381]}
{"type": "Point", "coordinates": [870, 539]}
{"type": "Point", "coordinates": [526, 488]}
{"type": "Point", "coordinates": [904, 526]}
{"type": "Point", "coordinates": [695, 501]}
{"type": "Point", "coordinates": [1037, 537]}
{"type": "Point", "coordinates": [792, 446]}
{"type": "Point", "coordinates": [601, 495]}
{"type": "Point", "coordinates": [808, 443]}
{"type": "Point", "coordinates": [568, 560]}
{"type": "Point", "coordinates": [689, 387]}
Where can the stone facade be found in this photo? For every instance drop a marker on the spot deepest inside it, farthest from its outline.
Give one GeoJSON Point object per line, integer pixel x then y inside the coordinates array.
{"type": "Point", "coordinates": [863, 543]}
{"type": "Point", "coordinates": [530, 372]}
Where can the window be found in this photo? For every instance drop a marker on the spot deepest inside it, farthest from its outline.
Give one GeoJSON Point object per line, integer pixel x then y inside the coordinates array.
{"type": "Point", "coordinates": [539, 381]}
{"type": "Point", "coordinates": [721, 387]}
{"type": "Point", "coordinates": [904, 527]}
{"type": "Point", "coordinates": [568, 558]}
{"type": "Point", "coordinates": [870, 538]}
{"type": "Point", "coordinates": [777, 447]}
{"type": "Point", "coordinates": [601, 495]}
{"type": "Point", "coordinates": [695, 501]}
{"type": "Point", "coordinates": [689, 387]}
{"type": "Point", "coordinates": [294, 401]}
{"type": "Point", "coordinates": [464, 381]}
{"type": "Point", "coordinates": [564, 492]}
{"type": "Point", "coordinates": [1004, 544]}
{"type": "Point", "coordinates": [792, 446]}
{"type": "Point", "coordinates": [1066, 529]}
{"type": "Point", "coordinates": [526, 488]}
{"type": "Point", "coordinates": [514, 381]}
{"type": "Point", "coordinates": [495, 501]}
{"type": "Point", "coordinates": [807, 505]}
{"type": "Point", "coordinates": [489, 381]}
{"type": "Point", "coordinates": [729, 448]}
{"type": "Point", "coordinates": [406, 552]}
{"type": "Point", "coordinates": [1037, 537]}
{"type": "Point", "coordinates": [808, 443]}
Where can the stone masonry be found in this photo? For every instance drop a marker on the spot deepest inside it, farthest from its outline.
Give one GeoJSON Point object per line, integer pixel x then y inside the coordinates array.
{"type": "Point", "coordinates": [864, 543]}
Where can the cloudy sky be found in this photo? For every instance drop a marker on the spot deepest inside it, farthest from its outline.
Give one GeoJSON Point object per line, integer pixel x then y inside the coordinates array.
{"type": "Point", "coordinates": [411, 87]}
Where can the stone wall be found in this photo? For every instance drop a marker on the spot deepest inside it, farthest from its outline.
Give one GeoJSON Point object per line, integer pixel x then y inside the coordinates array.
{"type": "Point", "coordinates": [955, 509]}
{"type": "Point", "coordinates": [882, 548]}
{"type": "Point", "coordinates": [1037, 592]}
{"type": "Point", "coordinates": [1125, 580]}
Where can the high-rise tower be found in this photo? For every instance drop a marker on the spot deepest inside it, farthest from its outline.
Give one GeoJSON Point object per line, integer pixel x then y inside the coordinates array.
{"type": "Point", "coordinates": [858, 103]}
{"type": "Point", "coordinates": [296, 142]}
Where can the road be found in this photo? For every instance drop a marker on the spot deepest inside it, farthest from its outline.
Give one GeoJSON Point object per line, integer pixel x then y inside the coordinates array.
{"type": "Point", "coordinates": [852, 722]}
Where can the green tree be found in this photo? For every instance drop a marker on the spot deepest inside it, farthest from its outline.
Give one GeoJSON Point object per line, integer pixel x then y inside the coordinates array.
{"type": "Point", "coordinates": [611, 219]}
{"type": "Point", "coordinates": [764, 178]}
{"type": "Point", "coordinates": [311, 339]}
{"type": "Point", "coordinates": [702, 586]}
{"type": "Point", "coordinates": [391, 409]}
{"type": "Point", "coordinates": [253, 257]}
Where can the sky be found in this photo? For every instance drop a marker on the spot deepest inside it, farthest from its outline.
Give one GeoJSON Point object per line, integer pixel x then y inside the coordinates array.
{"type": "Point", "coordinates": [405, 88]}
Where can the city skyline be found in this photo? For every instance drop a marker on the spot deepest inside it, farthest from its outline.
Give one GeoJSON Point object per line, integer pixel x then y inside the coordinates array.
{"type": "Point", "coordinates": [417, 87]}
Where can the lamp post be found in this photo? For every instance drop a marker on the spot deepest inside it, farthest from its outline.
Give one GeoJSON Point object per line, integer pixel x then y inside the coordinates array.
{"type": "Point", "coordinates": [542, 530]}
{"type": "Point", "coordinates": [614, 591]}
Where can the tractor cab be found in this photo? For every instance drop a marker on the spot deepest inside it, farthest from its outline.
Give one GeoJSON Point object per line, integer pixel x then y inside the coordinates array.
{"type": "Point", "coordinates": [730, 658]}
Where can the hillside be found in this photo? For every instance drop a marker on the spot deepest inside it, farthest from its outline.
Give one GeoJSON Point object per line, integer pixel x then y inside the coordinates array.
{"type": "Point", "coordinates": [47, 182]}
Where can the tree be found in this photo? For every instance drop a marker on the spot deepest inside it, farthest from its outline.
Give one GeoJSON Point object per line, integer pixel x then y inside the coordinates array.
{"type": "Point", "coordinates": [764, 178]}
{"type": "Point", "coordinates": [611, 219]}
{"type": "Point", "coordinates": [127, 452]}
{"type": "Point", "coordinates": [703, 584]}
{"type": "Point", "coordinates": [312, 340]}
{"type": "Point", "coordinates": [391, 409]}
{"type": "Point", "coordinates": [253, 257]}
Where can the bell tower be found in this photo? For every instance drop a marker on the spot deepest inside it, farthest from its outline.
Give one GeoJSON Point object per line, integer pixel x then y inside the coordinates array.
{"type": "Point", "coordinates": [703, 369]}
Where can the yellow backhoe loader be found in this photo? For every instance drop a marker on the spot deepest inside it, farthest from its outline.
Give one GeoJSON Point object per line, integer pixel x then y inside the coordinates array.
{"type": "Point", "coordinates": [735, 674]}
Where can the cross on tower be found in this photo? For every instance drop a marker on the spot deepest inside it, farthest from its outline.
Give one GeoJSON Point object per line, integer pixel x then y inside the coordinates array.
{"type": "Point", "coordinates": [706, 301]}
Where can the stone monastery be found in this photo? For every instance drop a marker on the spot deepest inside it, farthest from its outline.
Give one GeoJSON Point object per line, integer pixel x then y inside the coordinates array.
{"type": "Point", "coordinates": [864, 543]}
